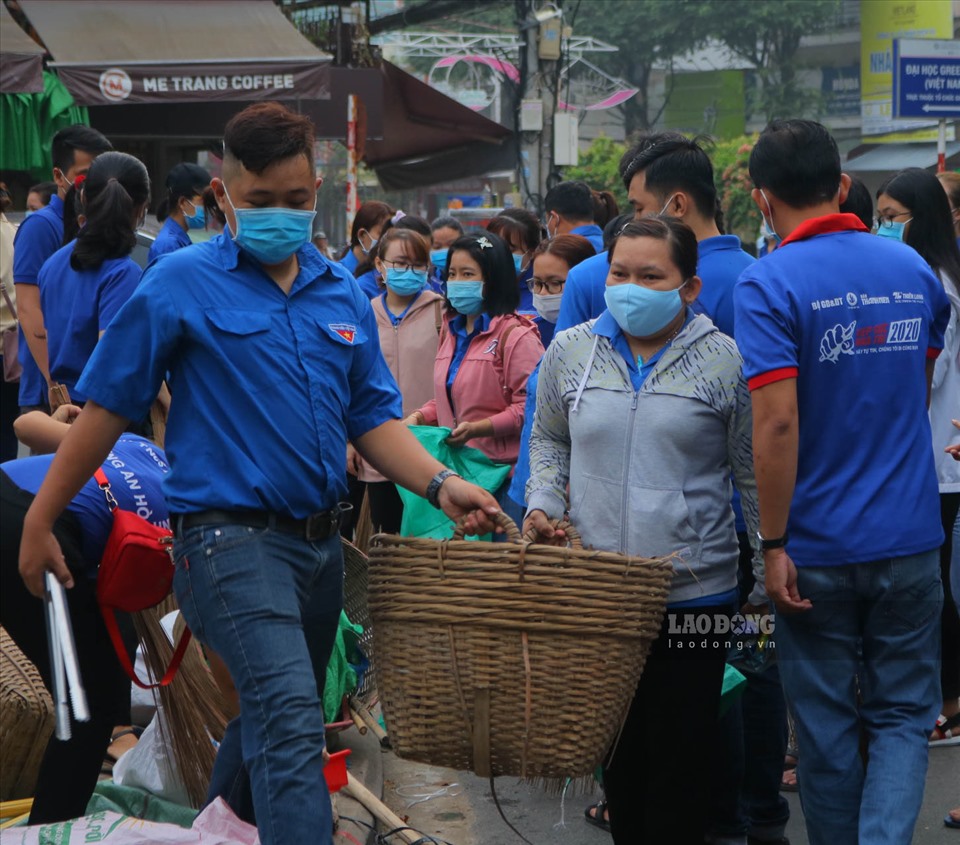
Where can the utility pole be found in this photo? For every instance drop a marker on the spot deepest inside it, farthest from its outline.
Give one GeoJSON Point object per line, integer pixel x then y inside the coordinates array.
{"type": "Point", "coordinates": [537, 105]}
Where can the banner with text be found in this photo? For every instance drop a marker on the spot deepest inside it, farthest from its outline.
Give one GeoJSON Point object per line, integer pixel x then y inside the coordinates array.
{"type": "Point", "coordinates": [122, 84]}
{"type": "Point", "coordinates": [880, 22]}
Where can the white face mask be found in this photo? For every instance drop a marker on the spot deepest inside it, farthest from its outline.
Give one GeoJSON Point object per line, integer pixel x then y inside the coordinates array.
{"type": "Point", "coordinates": [548, 305]}
{"type": "Point", "coordinates": [666, 205]}
{"type": "Point", "coordinates": [768, 229]}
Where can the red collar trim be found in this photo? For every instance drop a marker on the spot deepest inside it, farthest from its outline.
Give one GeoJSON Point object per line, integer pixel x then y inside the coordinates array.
{"type": "Point", "coordinates": [825, 225]}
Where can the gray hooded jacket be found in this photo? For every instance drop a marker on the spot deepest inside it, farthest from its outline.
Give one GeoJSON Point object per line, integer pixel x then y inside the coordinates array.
{"type": "Point", "coordinates": [649, 471]}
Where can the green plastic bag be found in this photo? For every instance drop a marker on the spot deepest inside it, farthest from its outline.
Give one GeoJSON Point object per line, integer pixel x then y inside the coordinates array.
{"type": "Point", "coordinates": [734, 683]}
{"type": "Point", "coordinates": [420, 518]}
{"type": "Point", "coordinates": [341, 676]}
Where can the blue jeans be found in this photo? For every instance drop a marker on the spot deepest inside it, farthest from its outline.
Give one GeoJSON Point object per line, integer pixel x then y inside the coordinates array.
{"type": "Point", "coordinates": [891, 608]}
{"type": "Point", "coordinates": [955, 563]}
{"type": "Point", "coordinates": [268, 603]}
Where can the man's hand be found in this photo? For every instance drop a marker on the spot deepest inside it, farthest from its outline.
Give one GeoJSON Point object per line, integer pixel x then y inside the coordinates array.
{"type": "Point", "coordinates": [353, 460]}
{"type": "Point", "coordinates": [65, 413]}
{"type": "Point", "coordinates": [539, 522]}
{"type": "Point", "coordinates": [458, 497]}
{"type": "Point", "coordinates": [781, 582]}
{"type": "Point", "coordinates": [40, 551]}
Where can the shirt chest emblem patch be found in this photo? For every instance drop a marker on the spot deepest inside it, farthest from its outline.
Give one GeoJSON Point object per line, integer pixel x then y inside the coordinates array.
{"type": "Point", "coordinates": [492, 348]}
{"type": "Point", "coordinates": [345, 330]}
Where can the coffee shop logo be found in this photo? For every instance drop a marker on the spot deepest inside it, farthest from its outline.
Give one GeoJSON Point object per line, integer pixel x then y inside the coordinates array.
{"type": "Point", "coordinates": [115, 84]}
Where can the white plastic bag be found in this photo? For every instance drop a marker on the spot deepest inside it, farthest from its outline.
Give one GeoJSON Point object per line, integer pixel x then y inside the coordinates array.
{"type": "Point", "coordinates": [216, 825]}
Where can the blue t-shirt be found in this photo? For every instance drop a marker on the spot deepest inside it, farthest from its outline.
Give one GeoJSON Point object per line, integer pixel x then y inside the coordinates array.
{"type": "Point", "coordinates": [368, 284]}
{"type": "Point", "coordinates": [170, 238]}
{"type": "Point", "coordinates": [349, 261]}
{"type": "Point", "coordinates": [269, 385]}
{"type": "Point", "coordinates": [39, 236]}
{"type": "Point", "coordinates": [135, 470]}
{"type": "Point", "coordinates": [526, 295]}
{"type": "Point", "coordinates": [720, 261]}
{"type": "Point", "coordinates": [592, 233]}
{"type": "Point", "coordinates": [583, 293]}
{"type": "Point", "coordinates": [458, 328]}
{"type": "Point", "coordinates": [851, 316]}
{"type": "Point", "coordinates": [77, 306]}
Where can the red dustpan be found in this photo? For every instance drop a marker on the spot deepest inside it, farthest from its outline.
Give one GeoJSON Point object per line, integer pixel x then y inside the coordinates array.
{"type": "Point", "coordinates": [335, 772]}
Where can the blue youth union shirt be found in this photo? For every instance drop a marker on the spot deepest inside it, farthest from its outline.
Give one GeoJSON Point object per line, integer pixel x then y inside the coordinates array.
{"type": "Point", "coordinates": [583, 293]}
{"type": "Point", "coordinates": [170, 238]}
{"type": "Point", "coordinates": [592, 233]}
{"type": "Point", "coordinates": [77, 306]}
{"type": "Point", "coordinates": [135, 469]}
{"type": "Point", "coordinates": [269, 386]}
{"type": "Point", "coordinates": [853, 318]}
{"type": "Point", "coordinates": [38, 237]}
{"type": "Point", "coordinates": [720, 261]}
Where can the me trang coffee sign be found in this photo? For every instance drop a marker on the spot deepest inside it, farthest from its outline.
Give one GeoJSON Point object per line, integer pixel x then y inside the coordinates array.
{"type": "Point", "coordinates": [121, 84]}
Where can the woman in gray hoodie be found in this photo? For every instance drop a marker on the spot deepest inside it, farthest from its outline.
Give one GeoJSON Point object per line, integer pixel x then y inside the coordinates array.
{"type": "Point", "coordinates": [645, 414]}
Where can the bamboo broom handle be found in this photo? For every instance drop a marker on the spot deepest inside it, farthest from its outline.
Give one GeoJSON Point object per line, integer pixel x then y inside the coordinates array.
{"type": "Point", "coordinates": [358, 721]}
{"type": "Point", "coordinates": [378, 809]}
{"type": "Point", "coordinates": [372, 723]}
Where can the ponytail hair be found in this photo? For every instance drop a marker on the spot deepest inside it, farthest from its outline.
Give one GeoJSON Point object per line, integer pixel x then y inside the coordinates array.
{"type": "Point", "coordinates": [116, 185]}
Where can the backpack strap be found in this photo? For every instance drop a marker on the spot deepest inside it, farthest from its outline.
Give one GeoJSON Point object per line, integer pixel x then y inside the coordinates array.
{"type": "Point", "coordinates": [110, 620]}
{"type": "Point", "coordinates": [438, 314]}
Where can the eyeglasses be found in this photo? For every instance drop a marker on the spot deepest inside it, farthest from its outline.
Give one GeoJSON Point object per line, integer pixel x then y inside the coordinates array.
{"type": "Point", "coordinates": [553, 286]}
{"type": "Point", "coordinates": [403, 266]}
{"type": "Point", "coordinates": [887, 222]}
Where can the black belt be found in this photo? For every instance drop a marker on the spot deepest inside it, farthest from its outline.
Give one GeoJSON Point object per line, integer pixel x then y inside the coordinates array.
{"type": "Point", "coordinates": [318, 526]}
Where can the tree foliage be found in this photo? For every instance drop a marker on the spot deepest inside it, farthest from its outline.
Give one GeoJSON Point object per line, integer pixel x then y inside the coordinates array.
{"type": "Point", "coordinates": [599, 168]}
{"type": "Point", "coordinates": [768, 35]}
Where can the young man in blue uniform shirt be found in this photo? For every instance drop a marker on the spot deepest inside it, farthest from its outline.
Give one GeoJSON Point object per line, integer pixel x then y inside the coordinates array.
{"type": "Point", "coordinates": [666, 173]}
{"type": "Point", "coordinates": [569, 208]}
{"type": "Point", "coordinates": [272, 353]}
{"type": "Point", "coordinates": [40, 236]}
{"type": "Point", "coordinates": [839, 331]}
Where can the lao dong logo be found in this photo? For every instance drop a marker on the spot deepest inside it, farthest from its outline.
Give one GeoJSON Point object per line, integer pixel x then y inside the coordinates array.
{"type": "Point", "coordinates": [115, 84]}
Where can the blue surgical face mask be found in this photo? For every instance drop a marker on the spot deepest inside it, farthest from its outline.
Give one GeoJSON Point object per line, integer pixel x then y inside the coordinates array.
{"type": "Point", "coordinates": [28, 212]}
{"type": "Point", "coordinates": [892, 229]}
{"type": "Point", "coordinates": [518, 262]}
{"type": "Point", "coordinates": [466, 297]}
{"type": "Point", "coordinates": [199, 219]}
{"type": "Point", "coordinates": [438, 258]}
{"type": "Point", "coordinates": [640, 311]}
{"type": "Point", "coordinates": [406, 282]}
{"type": "Point", "coordinates": [366, 250]}
{"type": "Point", "coordinates": [271, 235]}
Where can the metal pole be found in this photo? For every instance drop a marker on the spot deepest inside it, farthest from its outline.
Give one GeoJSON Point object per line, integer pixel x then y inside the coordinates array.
{"type": "Point", "coordinates": [352, 198]}
{"type": "Point", "coordinates": [942, 146]}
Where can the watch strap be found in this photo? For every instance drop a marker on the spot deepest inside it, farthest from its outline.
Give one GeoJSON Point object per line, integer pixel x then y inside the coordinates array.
{"type": "Point", "coordinates": [767, 545]}
{"type": "Point", "coordinates": [433, 488]}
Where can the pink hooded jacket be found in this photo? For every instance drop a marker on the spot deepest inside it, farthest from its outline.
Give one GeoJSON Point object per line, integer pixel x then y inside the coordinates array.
{"type": "Point", "coordinates": [491, 382]}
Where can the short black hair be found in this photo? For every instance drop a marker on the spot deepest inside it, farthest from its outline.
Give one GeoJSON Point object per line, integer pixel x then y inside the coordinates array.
{"type": "Point", "coordinates": [612, 229]}
{"type": "Point", "coordinates": [859, 202]}
{"type": "Point", "coordinates": [678, 235]}
{"type": "Point", "coordinates": [45, 189]}
{"type": "Point", "coordinates": [672, 162]}
{"type": "Point", "coordinates": [265, 133]}
{"type": "Point", "coordinates": [414, 223]}
{"type": "Point", "coordinates": [76, 137]}
{"type": "Point", "coordinates": [446, 222]}
{"type": "Point", "coordinates": [798, 161]}
{"type": "Point", "coordinates": [517, 224]}
{"type": "Point", "coordinates": [185, 180]}
{"type": "Point", "coordinates": [501, 293]}
{"type": "Point", "coordinates": [573, 200]}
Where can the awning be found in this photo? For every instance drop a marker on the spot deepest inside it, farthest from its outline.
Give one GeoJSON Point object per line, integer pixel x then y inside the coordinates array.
{"type": "Point", "coordinates": [875, 158]}
{"type": "Point", "coordinates": [178, 51]}
{"type": "Point", "coordinates": [21, 58]}
{"type": "Point", "coordinates": [431, 138]}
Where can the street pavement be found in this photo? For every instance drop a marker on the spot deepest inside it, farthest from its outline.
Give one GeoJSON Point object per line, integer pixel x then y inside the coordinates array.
{"type": "Point", "coordinates": [463, 811]}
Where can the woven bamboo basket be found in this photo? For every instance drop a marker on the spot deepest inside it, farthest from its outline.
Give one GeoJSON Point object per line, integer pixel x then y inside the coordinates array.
{"type": "Point", "coordinates": [510, 658]}
{"type": "Point", "coordinates": [26, 721]}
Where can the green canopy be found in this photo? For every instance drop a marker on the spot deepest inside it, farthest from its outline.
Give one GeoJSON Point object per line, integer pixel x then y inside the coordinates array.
{"type": "Point", "coordinates": [28, 123]}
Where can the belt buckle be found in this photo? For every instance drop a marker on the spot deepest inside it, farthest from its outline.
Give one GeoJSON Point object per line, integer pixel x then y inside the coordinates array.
{"type": "Point", "coordinates": [320, 526]}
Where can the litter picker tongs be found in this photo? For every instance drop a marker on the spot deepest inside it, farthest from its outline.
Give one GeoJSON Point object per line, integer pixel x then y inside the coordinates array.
{"type": "Point", "coordinates": [64, 668]}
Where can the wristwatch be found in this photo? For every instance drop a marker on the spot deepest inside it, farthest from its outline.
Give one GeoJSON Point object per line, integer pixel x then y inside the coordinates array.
{"type": "Point", "coordinates": [773, 543]}
{"type": "Point", "coordinates": [433, 488]}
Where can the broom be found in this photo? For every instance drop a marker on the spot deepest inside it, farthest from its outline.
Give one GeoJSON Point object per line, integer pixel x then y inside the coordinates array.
{"type": "Point", "coordinates": [195, 712]}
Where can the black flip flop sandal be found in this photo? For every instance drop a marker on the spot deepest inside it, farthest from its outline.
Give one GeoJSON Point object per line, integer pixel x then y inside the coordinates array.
{"type": "Point", "coordinates": [597, 819]}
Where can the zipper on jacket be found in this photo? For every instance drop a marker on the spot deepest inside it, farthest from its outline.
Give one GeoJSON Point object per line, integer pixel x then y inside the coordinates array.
{"type": "Point", "coordinates": [626, 473]}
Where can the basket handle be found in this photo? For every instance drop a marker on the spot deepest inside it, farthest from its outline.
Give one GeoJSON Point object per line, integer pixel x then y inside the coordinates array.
{"type": "Point", "coordinates": [573, 536]}
{"type": "Point", "coordinates": [500, 518]}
